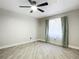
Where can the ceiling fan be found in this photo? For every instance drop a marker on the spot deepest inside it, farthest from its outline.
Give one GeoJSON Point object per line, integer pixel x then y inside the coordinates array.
{"type": "Point", "coordinates": [34, 6]}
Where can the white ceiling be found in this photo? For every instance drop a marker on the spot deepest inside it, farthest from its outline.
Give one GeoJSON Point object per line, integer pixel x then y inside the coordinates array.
{"type": "Point", "coordinates": [54, 7]}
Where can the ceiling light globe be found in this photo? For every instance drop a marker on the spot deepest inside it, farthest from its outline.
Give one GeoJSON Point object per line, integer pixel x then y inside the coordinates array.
{"type": "Point", "coordinates": [34, 8]}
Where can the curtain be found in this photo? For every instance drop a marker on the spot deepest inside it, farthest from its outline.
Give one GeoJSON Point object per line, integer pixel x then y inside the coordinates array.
{"type": "Point", "coordinates": [46, 30]}
{"type": "Point", "coordinates": [65, 31]}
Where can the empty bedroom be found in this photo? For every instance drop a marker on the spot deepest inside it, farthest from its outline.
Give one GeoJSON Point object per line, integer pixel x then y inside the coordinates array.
{"type": "Point", "coordinates": [39, 29]}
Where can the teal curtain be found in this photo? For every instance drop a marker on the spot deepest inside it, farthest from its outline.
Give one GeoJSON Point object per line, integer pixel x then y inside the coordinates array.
{"type": "Point", "coordinates": [65, 28]}
{"type": "Point", "coordinates": [46, 30]}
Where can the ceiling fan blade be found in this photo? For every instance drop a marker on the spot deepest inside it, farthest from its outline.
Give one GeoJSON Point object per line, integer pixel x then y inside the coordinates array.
{"type": "Point", "coordinates": [40, 10]}
{"type": "Point", "coordinates": [31, 11]}
{"type": "Point", "coordinates": [25, 6]}
{"type": "Point", "coordinates": [43, 4]}
{"type": "Point", "coordinates": [30, 1]}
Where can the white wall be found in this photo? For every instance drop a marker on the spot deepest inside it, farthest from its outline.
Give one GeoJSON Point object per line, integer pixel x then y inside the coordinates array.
{"type": "Point", "coordinates": [74, 29]}
{"type": "Point", "coordinates": [16, 28]}
{"type": "Point", "coordinates": [73, 18]}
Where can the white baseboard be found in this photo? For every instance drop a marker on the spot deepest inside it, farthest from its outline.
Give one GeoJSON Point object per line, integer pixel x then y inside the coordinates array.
{"type": "Point", "coordinates": [7, 46]}
{"type": "Point", "coordinates": [41, 40]}
{"type": "Point", "coordinates": [74, 47]}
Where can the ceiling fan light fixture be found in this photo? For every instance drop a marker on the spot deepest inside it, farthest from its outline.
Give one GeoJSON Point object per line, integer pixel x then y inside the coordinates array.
{"type": "Point", "coordinates": [34, 8]}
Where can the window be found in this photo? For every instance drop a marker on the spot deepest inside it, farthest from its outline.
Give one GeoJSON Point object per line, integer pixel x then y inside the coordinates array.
{"type": "Point", "coordinates": [55, 28]}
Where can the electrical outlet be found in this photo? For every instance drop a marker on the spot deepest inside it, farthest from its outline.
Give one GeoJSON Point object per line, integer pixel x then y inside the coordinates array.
{"type": "Point", "coordinates": [54, 39]}
{"type": "Point", "coordinates": [30, 38]}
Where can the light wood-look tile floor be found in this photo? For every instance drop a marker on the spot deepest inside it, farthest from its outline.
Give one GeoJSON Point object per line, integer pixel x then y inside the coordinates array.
{"type": "Point", "coordinates": [38, 50]}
